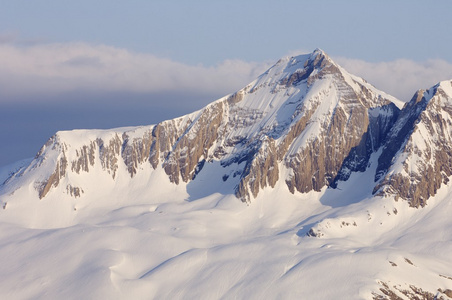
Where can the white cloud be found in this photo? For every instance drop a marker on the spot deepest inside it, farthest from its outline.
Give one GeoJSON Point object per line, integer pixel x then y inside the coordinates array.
{"type": "Point", "coordinates": [38, 70]}
{"type": "Point", "coordinates": [401, 78]}
{"type": "Point", "coordinates": [56, 68]}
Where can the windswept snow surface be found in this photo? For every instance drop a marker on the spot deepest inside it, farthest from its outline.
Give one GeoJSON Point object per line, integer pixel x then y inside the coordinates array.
{"type": "Point", "coordinates": [179, 243]}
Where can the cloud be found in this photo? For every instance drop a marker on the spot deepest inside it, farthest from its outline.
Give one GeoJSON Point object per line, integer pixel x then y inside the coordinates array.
{"type": "Point", "coordinates": [400, 78]}
{"type": "Point", "coordinates": [49, 69]}
{"type": "Point", "coordinates": [29, 72]}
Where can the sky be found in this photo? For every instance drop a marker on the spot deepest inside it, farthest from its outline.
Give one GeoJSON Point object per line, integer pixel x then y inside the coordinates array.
{"type": "Point", "coordinates": [102, 64]}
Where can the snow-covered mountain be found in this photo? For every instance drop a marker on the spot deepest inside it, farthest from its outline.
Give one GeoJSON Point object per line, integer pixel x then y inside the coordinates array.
{"type": "Point", "coordinates": [334, 174]}
{"type": "Point", "coordinates": [305, 117]}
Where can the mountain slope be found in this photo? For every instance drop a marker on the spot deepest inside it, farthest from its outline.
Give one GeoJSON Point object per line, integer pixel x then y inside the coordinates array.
{"type": "Point", "coordinates": [216, 247]}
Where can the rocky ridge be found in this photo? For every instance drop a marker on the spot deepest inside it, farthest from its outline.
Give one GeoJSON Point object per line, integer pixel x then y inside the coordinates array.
{"type": "Point", "coordinates": [417, 159]}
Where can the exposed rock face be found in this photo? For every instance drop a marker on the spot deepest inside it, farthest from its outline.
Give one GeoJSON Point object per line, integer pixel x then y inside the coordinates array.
{"type": "Point", "coordinates": [305, 118]}
{"type": "Point", "coordinates": [413, 292]}
{"type": "Point", "coordinates": [352, 129]}
{"type": "Point", "coordinates": [261, 170]}
{"type": "Point", "coordinates": [136, 151]}
{"type": "Point", "coordinates": [194, 145]}
{"type": "Point", "coordinates": [85, 158]}
{"type": "Point", "coordinates": [54, 179]}
{"type": "Point", "coordinates": [420, 148]}
{"type": "Point", "coordinates": [341, 111]}
{"type": "Point", "coordinates": [380, 123]}
{"type": "Point", "coordinates": [74, 191]}
{"type": "Point", "coordinates": [401, 130]}
{"type": "Point", "coordinates": [108, 154]}
{"type": "Point", "coordinates": [343, 148]}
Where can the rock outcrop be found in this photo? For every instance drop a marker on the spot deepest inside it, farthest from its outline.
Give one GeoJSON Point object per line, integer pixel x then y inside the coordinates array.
{"type": "Point", "coordinates": [417, 160]}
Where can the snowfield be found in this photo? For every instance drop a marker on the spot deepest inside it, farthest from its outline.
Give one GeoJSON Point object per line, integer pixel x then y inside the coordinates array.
{"type": "Point", "coordinates": [173, 244]}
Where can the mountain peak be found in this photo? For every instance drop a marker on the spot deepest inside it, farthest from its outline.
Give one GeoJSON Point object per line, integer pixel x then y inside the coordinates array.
{"type": "Point", "coordinates": [312, 58]}
{"type": "Point", "coordinates": [318, 51]}
{"type": "Point", "coordinates": [294, 70]}
{"type": "Point", "coordinates": [304, 59]}
{"type": "Point", "coordinates": [319, 54]}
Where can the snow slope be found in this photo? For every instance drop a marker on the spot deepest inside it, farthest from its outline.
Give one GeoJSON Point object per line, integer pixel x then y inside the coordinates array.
{"type": "Point", "coordinates": [216, 247]}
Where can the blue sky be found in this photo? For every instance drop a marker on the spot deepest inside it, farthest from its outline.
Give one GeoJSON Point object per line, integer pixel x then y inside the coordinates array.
{"type": "Point", "coordinates": [102, 64]}
{"type": "Point", "coordinates": [209, 32]}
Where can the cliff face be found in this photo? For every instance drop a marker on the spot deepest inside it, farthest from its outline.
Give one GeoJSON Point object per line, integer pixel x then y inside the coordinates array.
{"type": "Point", "coordinates": [417, 160]}
{"type": "Point", "coordinates": [305, 123]}
{"type": "Point", "coordinates": [335, 126]}
{"type": "Point", "coordinates": [330, 124]}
